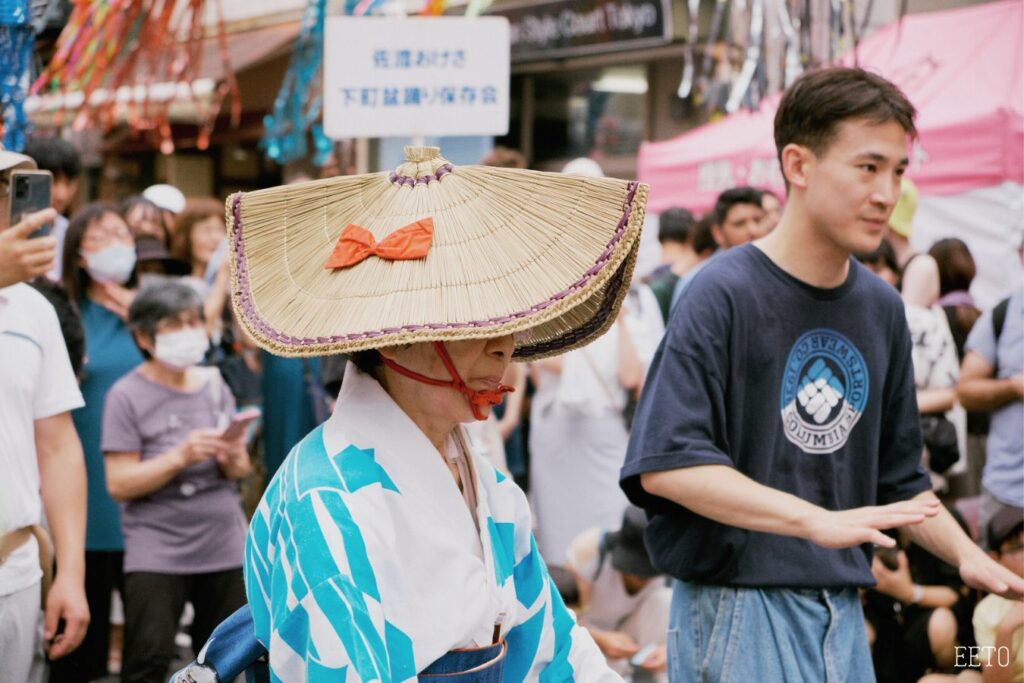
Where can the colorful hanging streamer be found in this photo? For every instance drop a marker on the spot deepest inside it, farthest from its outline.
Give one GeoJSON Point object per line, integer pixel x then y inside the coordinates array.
{"type": "Point", "coordinates": [17, 44]}
{"type": "Point", "coordinates": [298, 102]}
{"type": "Point", "coordinates": [109, 44]}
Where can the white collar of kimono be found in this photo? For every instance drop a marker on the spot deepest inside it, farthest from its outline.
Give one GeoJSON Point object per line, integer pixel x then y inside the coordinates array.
{"type": "Point", "coordinates": [367, 416]}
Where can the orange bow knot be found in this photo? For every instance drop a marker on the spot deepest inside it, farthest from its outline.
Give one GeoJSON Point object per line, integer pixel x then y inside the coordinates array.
{"type": "Point", "coordinates": [357, 244]}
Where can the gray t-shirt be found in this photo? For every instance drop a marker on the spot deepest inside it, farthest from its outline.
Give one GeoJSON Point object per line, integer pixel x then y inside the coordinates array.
{"type": "Point", "coordinates": [194, 524]}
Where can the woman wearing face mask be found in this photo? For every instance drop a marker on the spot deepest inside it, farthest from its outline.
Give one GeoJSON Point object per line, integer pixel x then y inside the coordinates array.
{"type": "Point", "coordinates": [98, 273]}
{"type": "Point", "coordinates": [170, 466]}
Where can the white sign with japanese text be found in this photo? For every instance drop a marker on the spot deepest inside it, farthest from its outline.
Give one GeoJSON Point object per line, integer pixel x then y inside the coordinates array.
{"type": "Point", "coordinates": [398, 77]}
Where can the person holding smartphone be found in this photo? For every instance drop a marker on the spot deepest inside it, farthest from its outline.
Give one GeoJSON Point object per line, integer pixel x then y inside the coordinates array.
{"type": "Point", "coordinates": [40, 456]}
{"type": "Point", "coordinates": [168, 463]}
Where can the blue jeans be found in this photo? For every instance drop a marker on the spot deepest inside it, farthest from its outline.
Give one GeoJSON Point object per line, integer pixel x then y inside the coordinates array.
{"type": "Point", "coordinates": [737, 635]}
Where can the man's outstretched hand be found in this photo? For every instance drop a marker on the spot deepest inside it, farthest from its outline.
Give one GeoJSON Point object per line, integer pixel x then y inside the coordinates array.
{"type": "Point", "coordinates": [849, 528]}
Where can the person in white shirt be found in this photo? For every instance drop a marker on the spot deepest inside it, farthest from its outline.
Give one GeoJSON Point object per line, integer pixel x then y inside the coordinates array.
{"type": "Point", "coordinates": [40, 456]}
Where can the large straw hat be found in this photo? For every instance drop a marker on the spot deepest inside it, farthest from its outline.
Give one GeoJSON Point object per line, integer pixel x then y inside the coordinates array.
{"type": "Point", "coordinates": [901, 220]}
{"type": "Point", "coordinates": [479, 252]}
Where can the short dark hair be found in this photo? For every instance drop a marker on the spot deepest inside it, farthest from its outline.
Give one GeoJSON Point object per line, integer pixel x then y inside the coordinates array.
{"type": "Point", "coordinates": [155, 211]}
{"type": "Point", "coordinates": [70, 321]}
{"type": "Point", "coordinates": [675, 225]}
{"type": "Point", "coordinates": [885, 254]}
{"type": "Point", "coordinates": [732, 197]}
{"type": "Point", "coordinates": [73, 276]}
{"type": "Point", "coordinates": [162, 299]}
{"type": "Point", "coordinates": [816, 103]}
{"type": "Point", "coordinates": [55, 155]}
{"type": "Point", "coordinates": [703, 238]}
{"type": "Point", "coordinates": [956, 265]}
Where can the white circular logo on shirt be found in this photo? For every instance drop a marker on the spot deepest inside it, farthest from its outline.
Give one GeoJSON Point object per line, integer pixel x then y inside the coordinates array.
{"type": "Point", "coordinates": [824, 391]}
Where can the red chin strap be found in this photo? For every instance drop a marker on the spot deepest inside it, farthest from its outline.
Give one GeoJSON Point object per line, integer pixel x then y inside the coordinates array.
{"type": "Point", "coordinates": [477, 399]}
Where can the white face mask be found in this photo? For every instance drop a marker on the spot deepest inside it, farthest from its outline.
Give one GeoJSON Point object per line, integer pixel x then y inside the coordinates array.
{"type": "Point", "coordinates": [182, 349]}
{"type": "Point", "coordinates": [110, 264]}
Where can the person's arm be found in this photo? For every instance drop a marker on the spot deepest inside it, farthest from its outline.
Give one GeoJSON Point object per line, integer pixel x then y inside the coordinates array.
{"type": "Point", "coordinates": [727, 496]}
{"type": "Point", "coordinates": [993, 670]}
{"type": "Point", "coordinates": [898, 584]}
{"type": "Point", "coordinates": [630, 367]}
{"type": "Point", "coordinates": [21, 258]}
{"type": "Point", "coordinates": [234, 462]}
{"type": "Point", "coordinates": [942, 536]}
{"type": "Point", "coordinates": [63, 491]}
{"type": "Point", "coordinates": [129, 476]}
{"type": "Point", "coordinates": [979, 391]}
{"type": "Point", "coordinates": [935, 400]}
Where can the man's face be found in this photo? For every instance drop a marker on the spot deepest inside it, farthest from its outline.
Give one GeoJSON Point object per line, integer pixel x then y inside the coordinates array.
{"type": "Point", "coordinates": [852, 187]}
{"type": "Point", "coordinates": [63, 192]}
{"type": "Point", "coordinates": [739, 226]}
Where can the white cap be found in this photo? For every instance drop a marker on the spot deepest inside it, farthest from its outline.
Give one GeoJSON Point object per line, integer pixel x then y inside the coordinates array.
{"type": "Point", "coordinates": [584, 166]}
{"type": "Point", "coordinates": [12, 160]}
{"type": "Point", "coordinates": [167, 197]}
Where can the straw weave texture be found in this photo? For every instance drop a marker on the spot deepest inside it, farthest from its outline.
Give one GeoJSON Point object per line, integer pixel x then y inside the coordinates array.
{"type": "Point", "coordinates": [507, 246]}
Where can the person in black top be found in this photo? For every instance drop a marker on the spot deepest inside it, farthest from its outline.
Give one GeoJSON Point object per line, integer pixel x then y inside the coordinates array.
{"type": "Point", "coordinates": [777, 435]}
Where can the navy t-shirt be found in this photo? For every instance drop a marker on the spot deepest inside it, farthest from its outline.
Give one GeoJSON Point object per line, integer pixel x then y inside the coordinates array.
{"type": "Point", "coordinates": [806, 390]}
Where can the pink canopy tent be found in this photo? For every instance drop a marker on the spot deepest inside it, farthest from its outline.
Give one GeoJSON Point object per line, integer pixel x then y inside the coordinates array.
{"type": "Point", "coordinates": [961, 68]}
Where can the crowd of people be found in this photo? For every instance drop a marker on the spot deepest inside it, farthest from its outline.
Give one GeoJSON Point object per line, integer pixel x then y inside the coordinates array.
{"type": "Point", "coordinates": [125, 369]}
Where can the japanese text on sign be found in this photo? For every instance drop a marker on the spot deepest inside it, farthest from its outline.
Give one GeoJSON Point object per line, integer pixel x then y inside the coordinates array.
{"type": "Point", "coordinates": [400, 77]}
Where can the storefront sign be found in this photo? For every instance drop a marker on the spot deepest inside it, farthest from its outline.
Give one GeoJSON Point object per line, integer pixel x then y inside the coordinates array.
{"type": "Point", "coordinates": [410, 77]}
{"type": "Point", "coordinates": [565, 28]}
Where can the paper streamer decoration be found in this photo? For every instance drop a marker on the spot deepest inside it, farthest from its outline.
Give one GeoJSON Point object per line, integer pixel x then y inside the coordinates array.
{"type": "Point", "coordinates": [107, 44]}
{"type": "Point", "coordinates": [17, 44]}
{"type": "Point", "coordinates": [298, 103]}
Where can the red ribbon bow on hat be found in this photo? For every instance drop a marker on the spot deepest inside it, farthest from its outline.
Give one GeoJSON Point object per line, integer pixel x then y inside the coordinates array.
{"type": "Point", "coordinates": [357, 244]}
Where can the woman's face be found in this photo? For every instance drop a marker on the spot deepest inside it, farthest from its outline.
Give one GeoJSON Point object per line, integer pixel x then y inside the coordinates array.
{"type": "Point", "coordinates": [481, 363]}
{"type": "Point", "coordinates": [206, 236]}
{"type": "Point", "coordinates": [145, 219]}
{"type": "Point", "coordinates": [109, 230]}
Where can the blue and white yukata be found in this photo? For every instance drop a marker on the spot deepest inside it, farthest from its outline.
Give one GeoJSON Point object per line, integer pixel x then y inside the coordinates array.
{"type": "Point", "coordinates": [364, 564]}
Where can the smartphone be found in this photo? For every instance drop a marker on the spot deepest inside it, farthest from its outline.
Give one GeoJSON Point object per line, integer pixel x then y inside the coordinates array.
{"type": "Point", "coordinates": [640, 657]}
{"type": "Point", "coordinates": [30, 192]}
{"type": "Point", "coordinates": [239, 423]}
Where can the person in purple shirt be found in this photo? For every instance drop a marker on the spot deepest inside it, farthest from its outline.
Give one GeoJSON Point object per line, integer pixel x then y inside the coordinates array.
{"type": "Point", "coordinates": [169, 465]}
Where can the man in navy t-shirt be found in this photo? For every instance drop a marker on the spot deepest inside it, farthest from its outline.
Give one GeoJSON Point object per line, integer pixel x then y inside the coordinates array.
{"type": "Point", "coordinates": [778, 434]}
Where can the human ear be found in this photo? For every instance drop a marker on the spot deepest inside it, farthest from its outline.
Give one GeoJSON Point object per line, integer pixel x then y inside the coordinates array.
{"type": "Point", "coordinates": [797, 163]}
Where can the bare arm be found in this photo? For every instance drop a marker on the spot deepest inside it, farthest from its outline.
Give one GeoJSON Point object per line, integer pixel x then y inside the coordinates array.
{"type": "Point", "coordinates": [942, 536]}
{"type": "Point", "coordinates": [979, 391]}
{"type": "Point", "coordinates": [129, 476]}
{"type": "Point", "coordinates": [921, 281]}
{"type": "Point", "coordinates": [992, 669]}
{"type": "Point", "coordinates": [727, 496]}
{"type": "Point", "coordinates": [631, 369]}
{"type": "Point", "coordinates": [63, 490]}
{"type": "Point", "coordinates": [935, 400]}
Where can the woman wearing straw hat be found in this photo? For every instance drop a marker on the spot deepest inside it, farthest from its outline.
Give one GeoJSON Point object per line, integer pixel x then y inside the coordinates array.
{"type": "Point", "coordinates": [384, 549]}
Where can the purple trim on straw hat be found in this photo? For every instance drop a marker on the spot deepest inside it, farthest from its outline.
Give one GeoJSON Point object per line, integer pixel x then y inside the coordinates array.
{"type": "Point", "coordinates": [420, 180]}
{"type": "Point", "coordinates": [248, 306]}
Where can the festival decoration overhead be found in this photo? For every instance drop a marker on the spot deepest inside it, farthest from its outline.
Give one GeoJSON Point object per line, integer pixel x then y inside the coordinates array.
{"type": "Point", "coordinates": [20, 20]}
{"type": "Point", "coordinates": [757, 47]}
{"type": "Point", "coordinates": [109, 48]}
